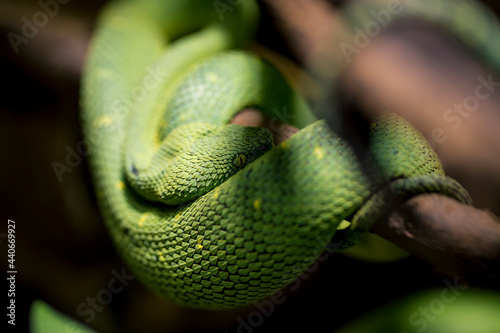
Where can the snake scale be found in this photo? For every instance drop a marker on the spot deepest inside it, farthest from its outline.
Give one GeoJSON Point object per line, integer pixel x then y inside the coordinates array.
{"type": "Point", "coordinates": [211, 214]}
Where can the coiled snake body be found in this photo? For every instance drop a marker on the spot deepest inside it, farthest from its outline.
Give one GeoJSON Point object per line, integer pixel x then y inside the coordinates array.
{"type": "Point", "coordinates": [208, 214]}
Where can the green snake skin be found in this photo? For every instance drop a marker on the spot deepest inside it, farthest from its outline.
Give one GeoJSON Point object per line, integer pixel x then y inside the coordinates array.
{"type": "Point", "coordinates": [207, 214]}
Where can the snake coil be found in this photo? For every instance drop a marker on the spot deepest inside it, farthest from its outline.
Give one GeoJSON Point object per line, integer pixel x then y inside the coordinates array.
{"type": "Point", "coordinates": [208, 214]}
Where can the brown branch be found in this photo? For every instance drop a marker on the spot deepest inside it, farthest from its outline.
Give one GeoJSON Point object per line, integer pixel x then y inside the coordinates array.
{"type": "Point", "coordinates": [455, 238]}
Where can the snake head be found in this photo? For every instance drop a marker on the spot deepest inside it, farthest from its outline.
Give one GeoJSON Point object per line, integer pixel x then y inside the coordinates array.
{"type": "Point", "coordinates": [201, 163]}
{"type": "Point", "coordinates": [246, 144]}
{"type": "Point", "coordinates": [222, 153]}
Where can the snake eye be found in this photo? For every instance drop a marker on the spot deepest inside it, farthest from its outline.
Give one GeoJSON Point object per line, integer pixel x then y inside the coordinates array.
{"type": "Point", "coordinates": [240, 160]}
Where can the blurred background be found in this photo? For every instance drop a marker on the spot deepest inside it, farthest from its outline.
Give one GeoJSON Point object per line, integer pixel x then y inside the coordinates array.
{"type": "Point", "coordinates": [63, 253]}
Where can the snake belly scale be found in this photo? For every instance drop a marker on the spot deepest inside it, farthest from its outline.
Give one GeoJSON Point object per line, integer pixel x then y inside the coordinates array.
{"type": "Point", "coordinates": [207, 214]}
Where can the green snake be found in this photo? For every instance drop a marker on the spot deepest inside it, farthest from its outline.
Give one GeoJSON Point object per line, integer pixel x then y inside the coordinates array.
{"type": "Point", "coordinates": [211, 214]}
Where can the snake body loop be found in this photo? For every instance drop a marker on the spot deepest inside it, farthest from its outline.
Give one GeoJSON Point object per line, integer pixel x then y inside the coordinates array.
{"type": "Point", "coordinates": [208, 214]}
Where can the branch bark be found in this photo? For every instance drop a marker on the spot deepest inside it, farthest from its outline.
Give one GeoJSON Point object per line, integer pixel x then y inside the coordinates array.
{"type": "Point", "coordinates": [456, 238]}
